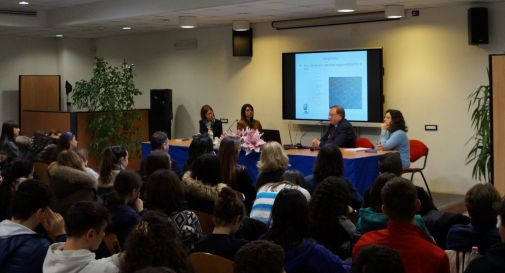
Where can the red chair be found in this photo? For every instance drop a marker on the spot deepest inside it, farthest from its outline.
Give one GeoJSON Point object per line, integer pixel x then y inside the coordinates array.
{"type": "Point", "coordinates": [364, 142]}
{"type": "Point", "coordinates": [417, 150]}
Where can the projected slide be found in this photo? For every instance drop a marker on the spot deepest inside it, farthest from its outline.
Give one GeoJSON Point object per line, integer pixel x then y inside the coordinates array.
{"type": "Point", "coordinates": [324, 79]}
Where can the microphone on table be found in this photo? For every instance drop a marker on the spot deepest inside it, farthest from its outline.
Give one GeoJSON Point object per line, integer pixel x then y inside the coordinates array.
{"type": "Point", "coordinates": [299, 144]}
{"type": "Point", "coordinates": [229, 128]}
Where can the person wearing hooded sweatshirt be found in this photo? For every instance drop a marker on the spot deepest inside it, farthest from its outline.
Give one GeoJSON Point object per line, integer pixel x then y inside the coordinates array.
{"type": "Point", "coordinates": [85, 224]}
{"type": "Point", "coordinates": [21, 248]}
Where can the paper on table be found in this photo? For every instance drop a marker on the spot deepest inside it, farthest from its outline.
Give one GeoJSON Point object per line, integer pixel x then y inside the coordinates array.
{"type": "Point", "coordinates": [360, 149]}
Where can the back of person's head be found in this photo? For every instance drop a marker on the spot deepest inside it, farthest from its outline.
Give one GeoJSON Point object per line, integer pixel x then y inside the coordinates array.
{"type": "Point", "coordinates": [288, 229]}
{"type": "Point", "coordinates": [227, 207]}
{"type": "Point", "coordinates": [228, 154]}
{"type": "Point", "coordinates": [18, 169]}
{"type": "Point", "coordinates": [158, 139]}
{"type": "Point", "coordinates": [391, 163]}
{"type": "Point", "coordinates": [331, 197]}
{"type": "Point", "coordinates": [397, 120]}
{"type": "Point", "coordinates": [482, 202]}
{"type": "Point", "coordinates": [201, 144]}
{"type": "Point", "coordinates": [8, 131]}
{"type": "Point", "coordinates": [63, 142]}
{"type": "Point", "coordinates": [156, 160]}
{"type": "Point", "coordinates": [22, 142]}
{"type": "Point", "coordinates": [110, 161]}
{"type": "Point", "coordinates": [30, 196]}
{"type": "Point", "coordinates": [294, 176]}
{"type": "Point", "coordinates": [259, 257]}
{"type": "Point", "coordinates": [124, 184]}
{"type": "Point", "coordinates": [273, 157]}
{"type": "Point", "coordinates": [84, 216]}
{"type": "Point", "coordinates": [329, 162]}
{"type": "Point", "coordinates": [375, 191]}
{"type": "Point", "coordinates": [165, 192]}
{"type": "Point", "coordinates": [378, 259]}
{"type": "Point", "coordinates": [399, 197]}
{"type": "Point", "coordinates": [207, 169]}
{"type": "Point", "coordinates": [154, 242]}
{"type": "Point", "coordinates": [70, 159]}
{"type": "Point", "coordinates": [83, 154]}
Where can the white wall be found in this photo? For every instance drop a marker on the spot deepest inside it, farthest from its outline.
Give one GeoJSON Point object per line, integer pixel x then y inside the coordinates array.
{"type": "Point", "coordinates": [430, 70]}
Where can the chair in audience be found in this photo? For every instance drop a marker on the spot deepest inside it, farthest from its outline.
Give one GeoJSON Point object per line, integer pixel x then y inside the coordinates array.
{"type": "Point", "coordinates": [208, 263]}
{"type": "Point", "coordinates": [418, 150]}
{"type": "Point", "coordinates": [206, 221]}
{"type": "Point", "coordinates": [41, 173]}
{"type": "Point", "coordinates": [364, 142]}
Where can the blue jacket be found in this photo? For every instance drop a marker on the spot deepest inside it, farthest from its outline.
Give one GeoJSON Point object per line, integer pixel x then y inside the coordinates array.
{"type": "Point", "coordinates": [314, 258]}
{"type": "Point", "coordinates": [21, 249]}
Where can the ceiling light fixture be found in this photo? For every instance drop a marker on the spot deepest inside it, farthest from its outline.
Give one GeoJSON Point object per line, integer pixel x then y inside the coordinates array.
{"type": "Point", "coordinates": [187, 21]}
{"type": "Point", "coordinates": [23, 3]}
{"type": "Point", "coordinates": [241, 25]}
{"type": "Point", "coordinates": [345, 5]}
{"type": "Point", "coordinates": [354, 18]}
{"type": "Point", "coordinates": [394, 11]}
{"type": "Point", "coordinates": [127, 28]}
{"type": "Point", "coordinates": [59, 35]}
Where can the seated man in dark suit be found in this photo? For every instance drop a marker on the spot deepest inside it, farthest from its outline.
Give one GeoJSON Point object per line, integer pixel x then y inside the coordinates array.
{"type": "Point", "coordinates": [340, 131]}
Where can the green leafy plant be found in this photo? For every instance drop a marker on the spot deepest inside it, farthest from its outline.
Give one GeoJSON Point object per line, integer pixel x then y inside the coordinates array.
{"type": "Point", "coordinates": [480, 153]}
{"type": "Point", "coordinates": [107, 95]}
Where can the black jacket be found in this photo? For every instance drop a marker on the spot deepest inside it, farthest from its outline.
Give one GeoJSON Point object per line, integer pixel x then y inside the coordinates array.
{"type": "Point", "coordinates": [492, 262]}
{"type": "Point", "coordinates": [344, 135]}
{"type": "Point", "coordinates": [217, 127]}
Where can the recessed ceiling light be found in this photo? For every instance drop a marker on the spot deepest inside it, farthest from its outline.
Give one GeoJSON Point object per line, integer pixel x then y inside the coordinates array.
{"type": "Point", "coordinates": [187, 21]}
{"type": "Point", "coordinates": [127, 28]}
{"type": "Point", "coordinates": [24, 2]}
{"type": "Point", "coordinates": [59, 35]}
{"type": "Point", "coordinates": [394, 11]}
{"type": "Point", "coordinates": [345, 5]}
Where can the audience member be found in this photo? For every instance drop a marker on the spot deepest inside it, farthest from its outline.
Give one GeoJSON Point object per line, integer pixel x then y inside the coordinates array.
{"type": "Point", "coordinates": [209, 125]}
{"type": "Point", "coordinates": [247, 119]}
{"type": "Point", "coordinates": [482, 203]}
{"type": "Point", "coordinates": [259, 257]}
{"type": "Point", "coordinates": [114, 159]}
{"type": "Point", "coordinates": [262, 207]}
{"type": "Point", "coordinates": [340, 131]}
{"type": "Point", "coordinates": [202, 183]}
{"type": "Point", "coordinates": [65, 141]}
{"type": "Point", "coordinates": [124, 204]}
{"type": "Point", "coordinates": [371, 217]}
{"type": "Point", "coordinates": [329, 208]}
{"type": "Point", "coordinates": [394, 136]}
{"type": "Point", "coordinates": [10, 130]}
{"type": "Point", "coordinates": [233, 174]}
{"type": "Point", "coordinates": [156, 160]}
{"type": "Point", "coordinates": [159, 141]}
{"type": "Point", "coordinates": [272, 164]}
{"type": "Point", "coordinates": [329, 162]}
{"type": "Point", "coordinates": [18, 172]}
{"type": "Point", "coordinates": [290, 229]}
{"type": "Point", "coordinates": [494, 259]}
{"type": "Point", "coordinates": [294, 176]}
{"type": "Point", "coordinates": [83, 154]}
{"type": "Point", "coordinates": [154, 243]}
{"type": "Point", "coordinates": [229, 210]}
{"type": "Point", "coordinates": [400, 204]}
{"type": "Point", "coordinates": [165, 192]}
{"type": "Point", "coordinates": [69, 182]}
{"type": "Point", "coordinates": [201, 144]}
{"type": "Point", "coordinates": [23, 143]}
{"type": "Point", "coordinates": [378, 259]}
{"type": "Point", "coordinates": [85, 225]}
{"type": "Point", "coordinates": [22, 250]}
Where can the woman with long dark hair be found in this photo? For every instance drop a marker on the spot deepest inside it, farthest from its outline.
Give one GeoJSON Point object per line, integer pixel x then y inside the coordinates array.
{"type": "Point", "coordinates": [10, 130]}
{"type": "Point", "coordinates": [233, 174]}
{"type": "Point", "coordinates": [247, 118]}
{"type": "Point", "coordinates": [394, 136]}
{"type": "Point", "coordinates": [114, 159]}
{"type": "Point", "coordinates": [290, 229]}
{"type": "Point", "coordinates": [201, 144]}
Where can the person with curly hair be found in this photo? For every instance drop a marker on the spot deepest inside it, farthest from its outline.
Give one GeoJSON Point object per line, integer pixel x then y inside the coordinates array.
{"type": "Point", "coordinates": [272, 164]}
{"type": "Point", "coordinates": [394, 135]}
{"type": "Point", "coordinates": [229, 210]}
{"type": "Point", "coordinates": [165, 192]}
{"type": "Point", "coordinates": [154, 242]}
{"type": "Point", "coordinates": [290, 229]}
{"type": "Point", "coordinates": [259, 257]}
{"type": "Point", "coordinates": [328, 211]}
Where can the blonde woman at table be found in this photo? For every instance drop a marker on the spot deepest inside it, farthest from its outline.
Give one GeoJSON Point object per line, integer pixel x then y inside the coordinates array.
{"type": "Point", "coordinates": [247, 119]}
{"type": "Point", "coordinates": [394, 136]}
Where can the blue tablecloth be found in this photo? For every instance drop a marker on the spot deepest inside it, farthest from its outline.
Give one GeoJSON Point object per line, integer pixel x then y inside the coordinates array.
{"type": "Point", "coordinates": [360, 171]}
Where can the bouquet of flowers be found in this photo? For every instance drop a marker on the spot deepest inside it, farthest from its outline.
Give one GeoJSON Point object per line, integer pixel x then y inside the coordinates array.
{"type": "Point", "coordinates": [250, 139]}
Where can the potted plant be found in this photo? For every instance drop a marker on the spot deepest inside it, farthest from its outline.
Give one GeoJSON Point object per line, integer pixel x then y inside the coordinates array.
{"type": "Point", "coordinates": [107, 95]}
{"type": "Point", "coordinates": [480, 153]}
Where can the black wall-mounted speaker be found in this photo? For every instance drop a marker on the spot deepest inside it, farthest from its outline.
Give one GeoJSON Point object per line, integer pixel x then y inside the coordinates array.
{"type": "Point", "coordinates": [478, 26]}
{"type": "Point", "coordinates": [160, 114]}
{"type": "Point", "coordinates": [242, 43]}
